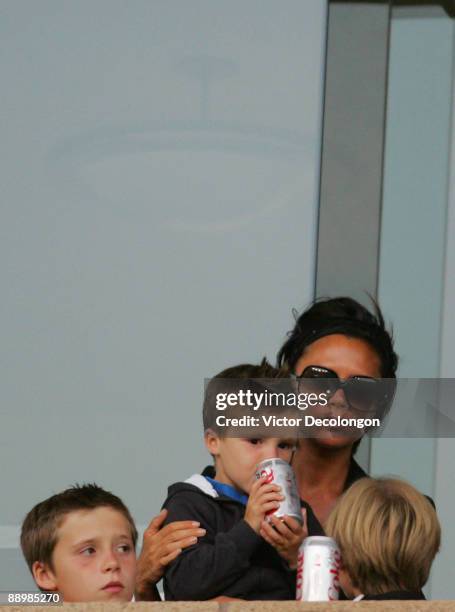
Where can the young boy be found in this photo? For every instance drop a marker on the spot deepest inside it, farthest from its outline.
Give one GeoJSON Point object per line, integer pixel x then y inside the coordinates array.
{"type": "Point", "coordinates": [388, 534]}
{"type": "Point", "coordinates": [234, 559]}
{"type": "Point", "coordinates": [81, 543]}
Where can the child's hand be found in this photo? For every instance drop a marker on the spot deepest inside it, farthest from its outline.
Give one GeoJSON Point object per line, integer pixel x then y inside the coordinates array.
{"type": "Point", "coordinates": [263, 498]}
{"type": "Point", "coordinates": [285, 535]}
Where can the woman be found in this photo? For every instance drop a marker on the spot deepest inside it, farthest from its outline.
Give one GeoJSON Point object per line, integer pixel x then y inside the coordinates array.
{"type": "Point", "coordinates": [347, 346]}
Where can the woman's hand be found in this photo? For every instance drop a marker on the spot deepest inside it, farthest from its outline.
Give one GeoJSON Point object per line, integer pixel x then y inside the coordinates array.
{"type": "Point", "coordinates": [160, 546]}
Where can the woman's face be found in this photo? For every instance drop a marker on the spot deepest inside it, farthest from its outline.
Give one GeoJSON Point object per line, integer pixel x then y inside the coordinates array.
{"type": "Point", "coordinates": [346, 357]}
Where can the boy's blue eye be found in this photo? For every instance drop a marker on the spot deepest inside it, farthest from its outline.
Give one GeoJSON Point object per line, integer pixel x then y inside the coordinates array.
{"type": "Point", "coordinates": [88, 551]}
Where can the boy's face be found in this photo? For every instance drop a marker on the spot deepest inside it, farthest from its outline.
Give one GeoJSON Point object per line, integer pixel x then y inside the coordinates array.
{"type": "Point", "coordinates": [236, 459]}
{"type": "Point", "coordinates": [94, 558]}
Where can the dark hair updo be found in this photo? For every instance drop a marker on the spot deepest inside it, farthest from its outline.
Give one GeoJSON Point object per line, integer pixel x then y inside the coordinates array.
{"type": "Point", "coordinates": [341, 315]}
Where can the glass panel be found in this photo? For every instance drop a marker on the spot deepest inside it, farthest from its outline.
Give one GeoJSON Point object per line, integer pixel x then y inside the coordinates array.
{"type": "Point", "coordinates": [412, 253]}
{"type": "Point", "coordinates": [160, 166]}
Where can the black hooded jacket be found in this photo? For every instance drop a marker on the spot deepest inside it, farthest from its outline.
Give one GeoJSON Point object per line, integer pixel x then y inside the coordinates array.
{"type": "Point", "coordinates": [231, 559]}
{"type": "Point", "coordinates": [313, 525]}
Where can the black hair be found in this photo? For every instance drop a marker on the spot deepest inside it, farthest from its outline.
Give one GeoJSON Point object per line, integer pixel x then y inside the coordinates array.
{"type": "Point", "coordinates": [341, 315]}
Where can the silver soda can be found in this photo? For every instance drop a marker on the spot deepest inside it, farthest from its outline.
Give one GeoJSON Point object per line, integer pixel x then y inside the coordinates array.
{"type": "Point", "coordinates": [318, 569]}
{"type": "Point", "coordinates": [279, 472]}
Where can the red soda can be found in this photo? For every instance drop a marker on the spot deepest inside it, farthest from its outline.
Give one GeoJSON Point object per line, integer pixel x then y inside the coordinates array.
{"type": "Point", "coordinates": [318, 569]}
{"type": "Point", "coordinates": [280, 472]}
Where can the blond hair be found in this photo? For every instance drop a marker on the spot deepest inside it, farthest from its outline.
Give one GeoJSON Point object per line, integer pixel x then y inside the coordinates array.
{"type": "Point", "coordinates": [388, 534]}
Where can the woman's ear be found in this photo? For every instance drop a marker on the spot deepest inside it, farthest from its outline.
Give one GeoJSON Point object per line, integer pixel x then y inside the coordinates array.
{"type": "Point", "coordinates": [44, 576]}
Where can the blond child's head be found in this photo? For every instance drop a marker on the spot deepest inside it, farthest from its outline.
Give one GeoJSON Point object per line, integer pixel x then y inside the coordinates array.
{"type": "Point", "coordinates": [388, 534]}
{"type": "Point", "coordinates": [81, 542]}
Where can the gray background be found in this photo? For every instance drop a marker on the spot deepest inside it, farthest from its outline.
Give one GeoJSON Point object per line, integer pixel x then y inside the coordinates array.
{"type": "Point", "coordinates": [159, 169]}
{"type": "Point", "coordinates": [416, 263]}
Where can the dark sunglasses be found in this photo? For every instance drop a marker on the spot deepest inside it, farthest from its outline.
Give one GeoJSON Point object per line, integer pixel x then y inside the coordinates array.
{"type": "Point", "coordinates": [362, 393]}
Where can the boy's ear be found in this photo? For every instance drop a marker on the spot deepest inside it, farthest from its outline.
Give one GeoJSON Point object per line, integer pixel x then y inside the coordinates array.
{"type": "Point", "coordinates": [44, 577]}
{"type": "Point", "coordinates": [212, 442]}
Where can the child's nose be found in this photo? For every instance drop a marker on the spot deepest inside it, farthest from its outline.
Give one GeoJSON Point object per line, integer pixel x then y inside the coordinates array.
{"type": "Point", "coordinates": [270, 452]}
{"type": "Point", "coordinates": [110, 562]}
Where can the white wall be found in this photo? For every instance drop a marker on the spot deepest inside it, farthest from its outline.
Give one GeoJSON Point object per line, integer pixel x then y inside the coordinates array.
{"type": "Point", "coordinates": [159, 164]}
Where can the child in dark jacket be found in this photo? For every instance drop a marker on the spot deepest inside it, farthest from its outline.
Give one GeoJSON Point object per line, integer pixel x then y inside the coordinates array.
{"type": "Point", "coordinates": [388, 534]}
{"type": "Point", "coordinates": [240, 556]}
